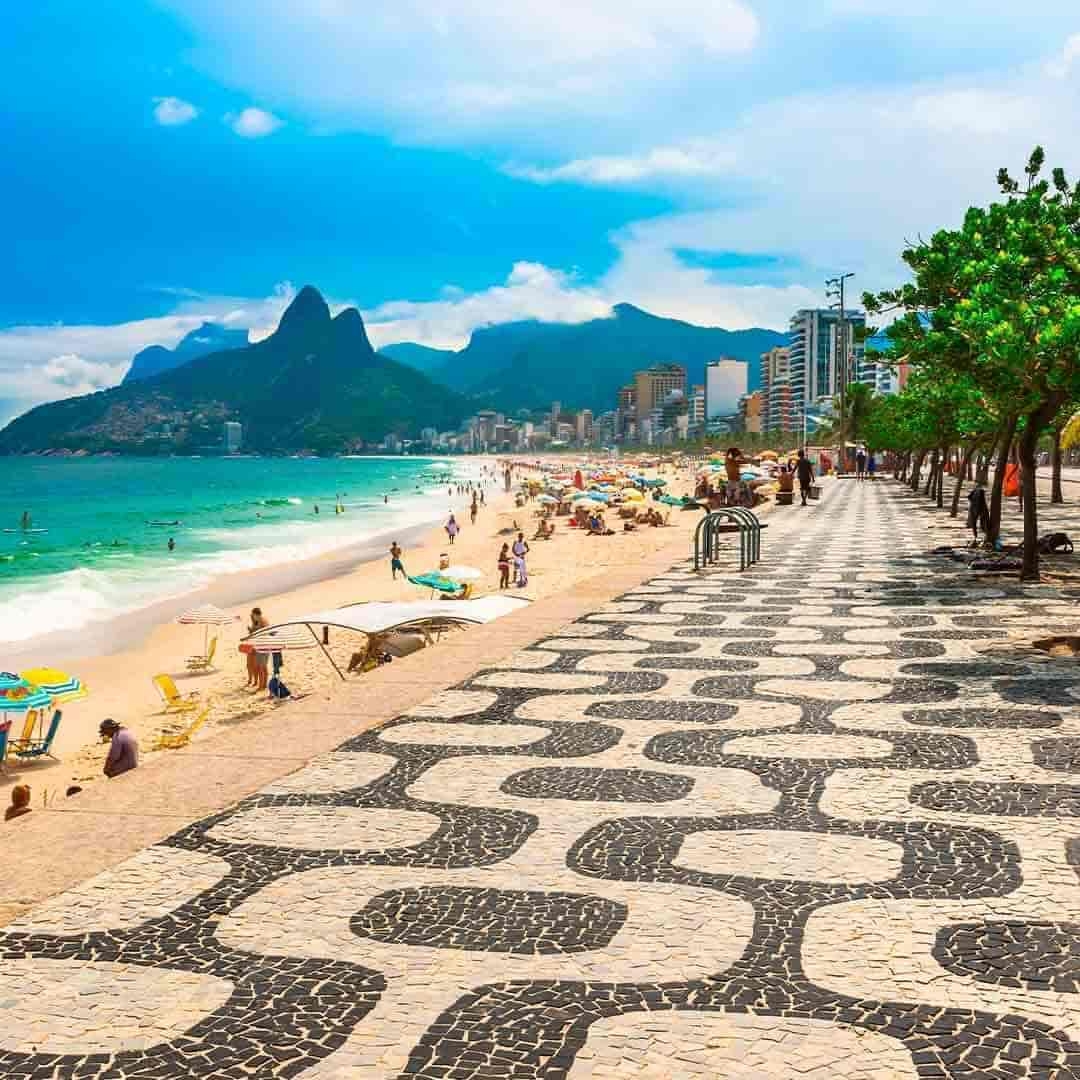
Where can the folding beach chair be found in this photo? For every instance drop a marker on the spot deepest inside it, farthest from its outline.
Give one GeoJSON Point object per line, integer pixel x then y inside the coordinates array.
{"type": "Point", "coordinates": [203, 663]}
{"type": "Point", "coordinates": [174, 742]}
{"type": "Point", "coordinates": [173, 699]}
{"type": "Point", "coordinates": [35, 748]}
{"type": "Point", "coordinates": [27, 736]}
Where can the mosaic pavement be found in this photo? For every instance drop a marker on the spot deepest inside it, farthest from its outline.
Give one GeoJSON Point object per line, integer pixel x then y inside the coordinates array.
{"type": "Point", "coordinates": [794, 823]}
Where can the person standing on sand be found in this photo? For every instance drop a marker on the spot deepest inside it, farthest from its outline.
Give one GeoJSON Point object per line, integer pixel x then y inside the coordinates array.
{"type": "Point", "coordinates": [521, 549]}
{"type": "Point", "coordinates": [123, 753]}
{"type": "Point", "coordinates": [805, 473]}
{"type": "Point", "coordinates": [452, 528]}
{"type": "Point", "coordinates": [395, 561]}
{"type": "Point", "coordinates": [504, 567]}
{"type": "Point", "coordinates": [474, 509]}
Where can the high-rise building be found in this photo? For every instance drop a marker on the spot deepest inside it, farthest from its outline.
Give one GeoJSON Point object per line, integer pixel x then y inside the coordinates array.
{"type": "Point", "coordinates": [584, 423]}
{"type": "Point", "coordinates": [726, 383]}
{"type": "Point", "coordinates": [776, 409]}
{"type": "Point", "coordinates": [814, 352]}
{"type": "Point", "coordinates": [752, 413]}
{"type": "Point", "coordinates": [653, 385]}
{"type": "Point", "coordinates": [696, 416]}
{"type": "Point", "coordinates": [556, 414]}
{"type": "Point", "coordinates": [626, 410]}
{"type": "Point", "coordinates": [233, 436]}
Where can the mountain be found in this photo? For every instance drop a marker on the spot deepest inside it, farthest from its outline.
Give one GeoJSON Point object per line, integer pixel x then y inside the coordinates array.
{"type": "Point", "coordinates": [208, 338]}
{"type": "Point", "coordinates": [529, 364]}
{"type": "Point", "coordinates": [421, 357]}
{"type": "Point", "coordinates": [315, 384]}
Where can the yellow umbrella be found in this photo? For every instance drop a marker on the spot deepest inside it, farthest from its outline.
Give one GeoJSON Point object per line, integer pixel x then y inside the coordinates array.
{"type": "Point", "coordinates": [632, 494]}
{"type": "Point", "coordinates": [59, 685]}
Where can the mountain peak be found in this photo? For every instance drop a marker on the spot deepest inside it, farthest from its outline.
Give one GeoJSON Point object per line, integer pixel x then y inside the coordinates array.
{"type": "Point", "coordinates": [349, 326]}
{"type": "Point", "coordinates": [307, 309]}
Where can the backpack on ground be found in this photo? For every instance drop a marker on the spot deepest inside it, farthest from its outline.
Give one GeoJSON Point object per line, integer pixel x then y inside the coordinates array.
{"type": "Point", "coordinates": [1055, 544]}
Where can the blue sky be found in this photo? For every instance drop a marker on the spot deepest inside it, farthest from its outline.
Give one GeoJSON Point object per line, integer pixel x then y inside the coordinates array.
{"type": "Point", "coordinates": [447, 163]}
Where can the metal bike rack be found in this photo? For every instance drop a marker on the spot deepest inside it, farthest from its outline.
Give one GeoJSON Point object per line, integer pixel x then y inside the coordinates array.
{"type": "Point", "coordinates": [708, 533]}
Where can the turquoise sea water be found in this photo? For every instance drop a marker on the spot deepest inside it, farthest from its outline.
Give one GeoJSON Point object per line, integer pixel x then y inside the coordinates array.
{"type": "Point", "coordinates": [98, 542]}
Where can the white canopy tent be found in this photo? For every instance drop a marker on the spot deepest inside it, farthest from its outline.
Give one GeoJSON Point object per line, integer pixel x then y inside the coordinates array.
{"type": "Point", "coordinates": [379, 618]}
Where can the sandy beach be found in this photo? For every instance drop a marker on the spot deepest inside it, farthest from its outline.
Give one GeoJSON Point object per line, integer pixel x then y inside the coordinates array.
{"type": "Point", "coordinates": [125, 655]}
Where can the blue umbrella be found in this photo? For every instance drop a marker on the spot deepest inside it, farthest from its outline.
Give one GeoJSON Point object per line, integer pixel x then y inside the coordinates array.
{"type": "Point", "coordinates": [18, 695]}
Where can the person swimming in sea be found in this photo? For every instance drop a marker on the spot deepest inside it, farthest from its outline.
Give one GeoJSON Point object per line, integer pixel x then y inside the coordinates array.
{"type": "Point", "coordinates": [25, 520]}
{"type": "Point", "coordinates": [172, 544]}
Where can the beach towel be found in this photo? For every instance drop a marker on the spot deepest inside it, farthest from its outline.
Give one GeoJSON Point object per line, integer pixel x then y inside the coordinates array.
{"type": "Point", "coordinates": [1011, 486]}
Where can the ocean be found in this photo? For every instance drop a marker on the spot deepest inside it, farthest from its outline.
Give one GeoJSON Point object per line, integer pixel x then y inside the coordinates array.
{"type": "Point", "coordinates": [97, 545]}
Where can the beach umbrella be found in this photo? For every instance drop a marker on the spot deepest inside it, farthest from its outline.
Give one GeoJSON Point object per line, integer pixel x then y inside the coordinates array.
{"type": "Point", "coordinates": [548, 500]}
{"type": "Point", "coordinates": [280, 639]}
{"type": "Point", "coordinates": [462, 573]}
{"type": "Point", "coordinates": [671, 500]}
{"type": "Point", "coordinates": [205, 616]}
{"type": "Point", "coordinates": [60, 686]}
{"type": "Point", "coordinates": [771, 454]}
{"type": "Point", "coordinates": [632, 495]}
{"type": "Point", "coordinates": [19, 696]}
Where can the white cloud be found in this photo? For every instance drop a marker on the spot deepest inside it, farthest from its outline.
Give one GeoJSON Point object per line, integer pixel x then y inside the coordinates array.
{"type": "Point", "coordinates": [252, 123]}
{"type": "Point", "coordinates": [532, 291]}
{"type": "Point", "coordinates": [173, 111]}
{"type": "Point", "coordinates": [1061, 66]}
{"type": "Point", "coordinates": [697, 159]}
{"type": "Point", "coordinates": [431, 70]}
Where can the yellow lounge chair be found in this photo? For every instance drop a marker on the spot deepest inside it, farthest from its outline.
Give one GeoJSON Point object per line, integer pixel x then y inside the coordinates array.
{"type": "Point", "coordinates": [174, 742]}
{"type": "Point", "coordinates": [174, 700]}
{"type": "Point", "coordinates": [27, 736]}
{"type": "Point", "coordinates": [203, 663]}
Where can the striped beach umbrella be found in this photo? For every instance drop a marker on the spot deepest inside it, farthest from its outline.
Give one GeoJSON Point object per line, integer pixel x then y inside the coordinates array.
{"type": "Point", "coordinates": [205, 616]}
{"type": "Point", "coordinates": [280, 639]}
{"type": "Point", "coordinates": [59, 685]}
{"type": "Point", "coordinates": [18, 695]}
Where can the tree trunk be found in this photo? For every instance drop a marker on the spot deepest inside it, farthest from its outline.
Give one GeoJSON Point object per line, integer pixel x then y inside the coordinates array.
{"type": "Point", "coordinates": [982, 473]}
{"type": "Point", "coordinates": [933, 472]}
{"type": "Point", "coordinates": [916, 470]}
{"type": "Point", "coordinates": [1056, 495]}
{"type": "Point", "coordinates": [1004, 445]}
{"type": "Point", "coordinates": [961, 474]}
{"type": "Point", "coordinates": [1026, 450]}
{"type": "Point", "coordinates": [941, 478]}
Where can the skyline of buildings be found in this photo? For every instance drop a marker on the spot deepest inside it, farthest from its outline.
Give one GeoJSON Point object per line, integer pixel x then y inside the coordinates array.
{"type": "Point", "coordinates": [798, 384]}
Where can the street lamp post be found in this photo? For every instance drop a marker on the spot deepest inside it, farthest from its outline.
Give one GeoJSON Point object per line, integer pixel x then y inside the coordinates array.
{"type": "Point", "coordinates": [835, 287]}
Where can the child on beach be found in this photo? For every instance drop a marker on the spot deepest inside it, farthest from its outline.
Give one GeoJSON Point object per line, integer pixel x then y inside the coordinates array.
{"type": "Point", "coordinates": [20, 802]}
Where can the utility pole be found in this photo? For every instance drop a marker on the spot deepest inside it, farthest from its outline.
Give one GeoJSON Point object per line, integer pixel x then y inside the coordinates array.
{"type": "Point", "coordinates": [834, 287]}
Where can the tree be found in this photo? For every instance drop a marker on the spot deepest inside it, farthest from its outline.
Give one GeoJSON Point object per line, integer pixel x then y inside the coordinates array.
{"type": "Point", "coordinates": [998, 302]}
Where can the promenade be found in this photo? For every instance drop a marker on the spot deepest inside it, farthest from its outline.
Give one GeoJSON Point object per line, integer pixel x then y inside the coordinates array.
{"type": "Point", "coordinates": [818, 820]}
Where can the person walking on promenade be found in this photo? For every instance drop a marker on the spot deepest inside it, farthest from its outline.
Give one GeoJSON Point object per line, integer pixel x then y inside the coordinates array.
{"type": "Point", "coordinates": [860, 463]}
{"type": "Point", "coordinates": [805, 473]}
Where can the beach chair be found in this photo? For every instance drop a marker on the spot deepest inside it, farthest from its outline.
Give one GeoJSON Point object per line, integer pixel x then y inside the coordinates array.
{"type": "Point", "coordinates": [27, 735]}
{"type": "Point", "coordinates": [173, 699]}
{"type": "Point", "coordinates": [35, 748]}
{"type": "Point", "coordinates": [203, 663]}
{"type": "Point", "coordinates": [174, 742]}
